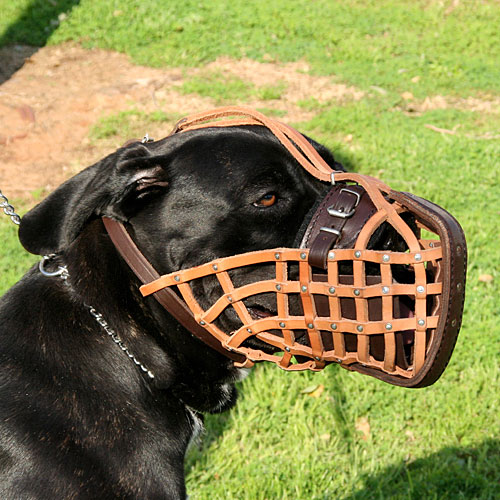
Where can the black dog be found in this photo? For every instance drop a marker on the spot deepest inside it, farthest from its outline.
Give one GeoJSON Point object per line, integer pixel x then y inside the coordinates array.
{"type": "Point", "coordinates": [79, 419]}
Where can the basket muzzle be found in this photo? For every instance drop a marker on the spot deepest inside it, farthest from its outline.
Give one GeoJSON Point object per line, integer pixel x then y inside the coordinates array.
{"type": "Point", "coordinates": [371, 285]}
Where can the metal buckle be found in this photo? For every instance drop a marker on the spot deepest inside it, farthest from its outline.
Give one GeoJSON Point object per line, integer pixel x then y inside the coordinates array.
{"type": "Point", "coordinates": [345, 215]}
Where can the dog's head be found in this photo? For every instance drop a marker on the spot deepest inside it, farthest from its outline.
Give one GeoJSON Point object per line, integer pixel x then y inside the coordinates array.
{"type": "Point", "coordinates": [189, 199]}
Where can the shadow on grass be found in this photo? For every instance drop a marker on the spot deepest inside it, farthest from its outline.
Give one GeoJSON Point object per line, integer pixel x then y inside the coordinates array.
{"type": "Point", "coordinates": [452, 473]}
{"type": "Point", "coordinates": [30, 31]}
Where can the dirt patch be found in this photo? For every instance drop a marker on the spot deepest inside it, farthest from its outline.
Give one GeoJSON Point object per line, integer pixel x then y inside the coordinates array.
{"type": "Point", "coordinates": [483, 104]}
{"type": "Point", "coordinates": [48, 106]}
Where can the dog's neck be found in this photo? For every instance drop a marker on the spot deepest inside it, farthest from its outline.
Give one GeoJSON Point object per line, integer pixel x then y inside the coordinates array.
{"type": "Point", "coordinates": [179, 361]}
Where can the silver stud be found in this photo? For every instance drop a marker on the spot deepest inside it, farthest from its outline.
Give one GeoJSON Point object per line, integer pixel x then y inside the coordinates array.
{"type": "Point", "coordinates": [386, 258]}
{"type": "Point", "coordinates": [385, 289]}
{"type": "Point", "coordinates": [287, 349]}
{"type": "Point", "coordinates": [418, 257]}
{"type": "Point", "coordinates": [333, 326]}
{"type": "Point", "coordinates": [310, 326]}
{"type": "Point", "coordinates": [459, 250]}
{"type": "Point", "coordinates": [282, 325]}
{"type": "Point", "coordinates": [303, 255]}
{"type": "Point", "coordinates": [420, 289]}
{"type": "Point", "coordinates": [249, 330]}
{"type": "Point", "coordinates": [459, 286]}
{"type": "Point", "coordinates": [230, 299]}
{"type": "Point", "coordinates": [421, 322]}
{"type": "Point", "coordinates": [177, 278]}
{"type": "Point", "coordinates": [331, 255]}
{"type": "Point", "coordinates": [388, 326]}
{"type": "Point", "coordinates": [304, 288]}
{"type": "Point", "coordinates": [359, 328]}
{"type": "Point", "coordinates": [277, 256]}
{"type": "Point", "coordinates": [215, 267]}
{"type": "Point", "coordinates": [356, 292]}
{"type": "Point", "coordinates": [339, 360]}
{"type": "Point", "coordinates": [317, 358]}
{"type": "Point", "coordinates": [202, 323]}
{"type": "Point", "coordinates": [454, 323]}
{"type": "Point", "coordinates": [431, 244]}
{"type": "Point", "coordinates": [357, 254]}
{"type": "Point", "coordinates": [331, 289]}
{"type": "Point", "coordinates": [278, 287]}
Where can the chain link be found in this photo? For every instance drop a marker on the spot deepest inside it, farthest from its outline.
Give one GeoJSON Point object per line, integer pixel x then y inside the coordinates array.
{"type": "Point", "coordinates": [9, 209]}
{"type": "Point", "coordinates": [118, 341]}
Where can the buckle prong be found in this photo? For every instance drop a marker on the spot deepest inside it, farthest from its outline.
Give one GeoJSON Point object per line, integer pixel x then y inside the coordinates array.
{"type": "Point", "coordinates": [340, 212]}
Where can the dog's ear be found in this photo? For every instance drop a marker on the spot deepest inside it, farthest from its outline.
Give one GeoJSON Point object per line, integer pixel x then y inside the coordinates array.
{"type": "Point", "coordinates": [115, 187]}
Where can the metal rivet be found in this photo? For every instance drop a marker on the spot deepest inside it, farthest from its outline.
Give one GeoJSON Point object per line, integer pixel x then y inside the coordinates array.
{"type": "Point", "coordinates": [277, 256]}
{"type": "Point", "coordinates": [304, 288]}
{"type": "Point", "coordinates": [459, 286]}
{"type": "Point", "coordinates": [357, 254]}
{"type": "Point", "coordinates": [331, 289]}
{"type": "Point", "coordinates": [310, 326]}
{"type": "Point", "coordinates": [333, 326]}
{"type": "Point", "coordinates": [385, 258]}
{"type": "Point", "coordinates": [459, 250]}
{"type": "Point", "coordinates": [230, 299]}
{"type": "Point", "coordinates": [331, 255]}
{"type": "Point", "coordinates": [202, 323]}
{"type": "Point", "coordinates": [356, 292]}
{"type": "Point", "coordinates": [431, 244]}
{"type": "Point", "coordinates": [230, 349]}
{"type": "Point", "coordinates": [215, 267]}
{"type": "Point", "coordinates": [249, 330]}
{"type": "Point", "coordinates": [278, 287]}
{"type": "Point", "coordinates": [359, 328]}
{"type": "Point", "coordinates": [317, 358]}
{"type": "Point", "coordinates": [388, 326]}
{"type": "Point", "coordinates": [454, 323]}
{"type": "Point", "coordinates": [420, 289]}
{"type": "Point", "coordinates": [339, 360]}
{"type": "Point", "coordinates": [282, 325]}
{"type": "Point", "coordinates": [287, 349]}
{"type": "Point", "coordinates": [303, 255]}
{"type": "Point", "coordinates": [385, 289]}
{"type": "Point", "coordinates": [418, 257]}
{"type": "Point", "coordinates": [177, 278]}
{"type": "Point", "coordinates": [421, 322]}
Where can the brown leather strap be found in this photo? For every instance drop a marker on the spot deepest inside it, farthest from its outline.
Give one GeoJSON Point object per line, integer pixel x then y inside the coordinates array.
{"type": "Point", "coordinates": [337, 222]}
{"type": "Point", "coordinates": [166, 297]}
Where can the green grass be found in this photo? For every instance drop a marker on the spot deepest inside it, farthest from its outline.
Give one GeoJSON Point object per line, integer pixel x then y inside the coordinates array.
{"type": "Point", "coordinates": [380, 42]}
{"type": "Point", "coordinates": [438, 443]}
{"type": "Point", "coordinates": [226, 89]}
{"type": "Point", "coordinates": [130, 123]}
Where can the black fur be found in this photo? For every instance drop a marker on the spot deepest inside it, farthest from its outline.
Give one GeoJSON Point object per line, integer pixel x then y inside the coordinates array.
{"type": "Point", "coordinates": [78, 419]}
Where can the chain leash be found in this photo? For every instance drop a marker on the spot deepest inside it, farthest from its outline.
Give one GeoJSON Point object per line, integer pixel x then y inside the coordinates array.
{"type": "Point", "coordinates": [9, 210]}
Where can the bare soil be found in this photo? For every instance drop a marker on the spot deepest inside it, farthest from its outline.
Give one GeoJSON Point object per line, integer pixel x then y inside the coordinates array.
{"type": "Point", "coordinates": [50, 98]}
{"type": "Point", "coordinates": [49, 104]}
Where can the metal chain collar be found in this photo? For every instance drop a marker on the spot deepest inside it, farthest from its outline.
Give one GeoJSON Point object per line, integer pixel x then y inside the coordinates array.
{"type": "Point", "coordinates": [8, 209]}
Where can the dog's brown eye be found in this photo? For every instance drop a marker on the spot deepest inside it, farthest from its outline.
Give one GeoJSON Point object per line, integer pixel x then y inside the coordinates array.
{"type": "Point", "coordinates": [268, 200]}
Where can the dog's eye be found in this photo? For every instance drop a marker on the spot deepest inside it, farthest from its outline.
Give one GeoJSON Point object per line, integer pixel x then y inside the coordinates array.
{"type": "Point", "coordinates": [268, 200]}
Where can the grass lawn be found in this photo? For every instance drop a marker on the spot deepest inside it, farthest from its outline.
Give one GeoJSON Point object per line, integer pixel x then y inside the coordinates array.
{"type": "Point", "coordinates": [338, 435]}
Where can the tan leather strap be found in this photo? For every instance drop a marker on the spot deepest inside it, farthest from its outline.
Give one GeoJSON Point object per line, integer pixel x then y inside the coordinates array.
{"type": "Point", "coordinates": [166, 297]}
